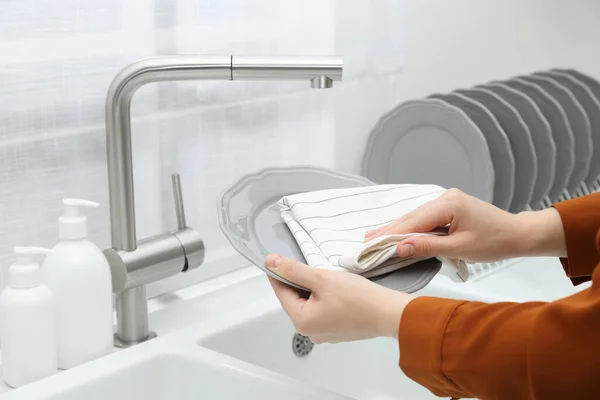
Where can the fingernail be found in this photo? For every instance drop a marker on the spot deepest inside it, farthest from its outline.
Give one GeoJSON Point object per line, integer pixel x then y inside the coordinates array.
{"type": "Point", "coordinates": [407, 250]}
{"type": "Point", "coordinates": [274, 261]}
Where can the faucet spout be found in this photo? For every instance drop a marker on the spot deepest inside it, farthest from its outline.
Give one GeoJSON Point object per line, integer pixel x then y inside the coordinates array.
{"type": "Point", "coordinates": [134, 264]}
{"type": "Point", "coordinates": [320, 70]}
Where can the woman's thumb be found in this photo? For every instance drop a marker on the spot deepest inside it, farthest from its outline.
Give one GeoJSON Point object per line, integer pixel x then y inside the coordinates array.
{"type": "Point", "coordinates": [423, 247]}
{"type": "Point", "coordinates": [294, 271]}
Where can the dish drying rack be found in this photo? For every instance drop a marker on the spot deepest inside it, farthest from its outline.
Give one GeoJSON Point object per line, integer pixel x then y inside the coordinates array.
{"type": "Point", "coordinates": [481, 270]}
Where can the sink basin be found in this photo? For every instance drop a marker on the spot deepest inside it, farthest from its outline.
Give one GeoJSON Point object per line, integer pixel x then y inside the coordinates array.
{"type": "Point", "coordinates": [257, 330]}
{"type": "Point", "coordinates": [361, 370]}
{"type": "Point", "coordinates": [168, 368]}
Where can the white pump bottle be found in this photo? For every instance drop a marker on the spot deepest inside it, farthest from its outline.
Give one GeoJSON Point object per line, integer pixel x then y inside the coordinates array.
{"type": "Point", "coordinates": [79, 276]}
{"type": "Point", "coordinates": [27, 322]}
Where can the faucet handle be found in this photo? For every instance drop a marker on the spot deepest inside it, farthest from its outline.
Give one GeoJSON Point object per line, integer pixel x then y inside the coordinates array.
{"type": "Point", "coordinates": [178, 197]}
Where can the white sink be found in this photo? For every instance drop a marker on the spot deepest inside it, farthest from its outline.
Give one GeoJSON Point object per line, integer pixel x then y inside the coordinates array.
{"type": "Point", "coordinates": [170, 367]}
{"type": "Point", "coordinates": [361, 370]}
{"type": "Point", "coordinates": [258, 331]}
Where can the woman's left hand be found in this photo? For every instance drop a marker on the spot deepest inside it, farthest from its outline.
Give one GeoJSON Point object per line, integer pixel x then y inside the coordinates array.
{"type": "Point", "coordinates": [342, 306]}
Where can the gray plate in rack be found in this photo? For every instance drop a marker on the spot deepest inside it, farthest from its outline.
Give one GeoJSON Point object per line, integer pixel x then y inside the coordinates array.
{"type": "Point", "coordinates": [541, 134]}
{"type": "Point", "coordinates": [580, 124]}
{"type": "Point", "coordinates": [520, 140]}
{"type": "Point", "coordinates": [251, 220]}
{"type": "Point", "coordinates": [591, 104]}
{"type": "Point", "coordinates": [561, 132]}
{"type": "Point", "coordinates": [502, 156]}
{"type": "Point", "coordinates": [429, 141]}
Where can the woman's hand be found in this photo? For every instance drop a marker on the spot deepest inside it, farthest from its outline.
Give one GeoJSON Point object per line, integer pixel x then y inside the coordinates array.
{"type": "Point", "coordinates": [342, 306]}
{"type": "Point", "coordinates": [478, 231]}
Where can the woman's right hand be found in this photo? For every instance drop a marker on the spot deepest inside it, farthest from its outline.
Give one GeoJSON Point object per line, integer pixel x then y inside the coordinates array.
{"type": "Point", "coordinates": [478, 231]}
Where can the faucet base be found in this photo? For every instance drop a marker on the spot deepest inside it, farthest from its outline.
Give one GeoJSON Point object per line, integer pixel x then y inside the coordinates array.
{"type": "Point", "coordinates": [122, 344]}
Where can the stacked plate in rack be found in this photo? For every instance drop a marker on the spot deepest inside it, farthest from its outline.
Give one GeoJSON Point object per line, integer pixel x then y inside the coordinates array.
{"type": "Point", "coordinates": [522, 143]}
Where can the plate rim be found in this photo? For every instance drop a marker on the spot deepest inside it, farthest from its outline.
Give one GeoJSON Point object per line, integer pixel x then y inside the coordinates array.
{"type": "Point", "coordinates": [484, 109]}
{"type": "Point", "coordinates": [585, 86]}
{"type": "Point", "coordinates": [570, 136]}
{"type": "Point", "coordinates": [521, 122]}
{"type": "Point", "coordinates": [549, 138]}
{"type": "Point", "coordinates": [547, 83]}
{"type": "Point", "coordinates": [246, 179]}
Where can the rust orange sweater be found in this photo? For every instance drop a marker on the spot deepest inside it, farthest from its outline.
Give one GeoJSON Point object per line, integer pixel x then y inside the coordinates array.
{"type": "Point", "coordinates": [515, 351]}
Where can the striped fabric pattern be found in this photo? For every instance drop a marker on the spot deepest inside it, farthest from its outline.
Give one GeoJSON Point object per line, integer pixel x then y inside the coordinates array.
{"type": "Point", "coordinates": [330, 225]}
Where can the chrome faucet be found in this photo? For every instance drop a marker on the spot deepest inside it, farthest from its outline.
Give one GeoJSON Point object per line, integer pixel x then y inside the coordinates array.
{"type": "Point", "coordinates": [133, 264]}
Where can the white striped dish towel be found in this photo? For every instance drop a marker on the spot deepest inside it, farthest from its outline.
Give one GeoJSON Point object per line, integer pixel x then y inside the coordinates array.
{"type": "Point", "coordinates": [330, 225]}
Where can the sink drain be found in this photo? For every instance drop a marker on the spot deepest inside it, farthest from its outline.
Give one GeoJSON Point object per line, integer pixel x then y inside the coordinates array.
{"type": "Point", "coordinates": [301, 345]}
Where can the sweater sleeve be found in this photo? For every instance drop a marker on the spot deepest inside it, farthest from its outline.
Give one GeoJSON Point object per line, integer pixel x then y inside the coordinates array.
{"type": "Point", "coordinates": [581, 222]}
{"type": "Point", "coordinates": [504, 350]}
{"type": "Point", "coordinates": [514, 351]}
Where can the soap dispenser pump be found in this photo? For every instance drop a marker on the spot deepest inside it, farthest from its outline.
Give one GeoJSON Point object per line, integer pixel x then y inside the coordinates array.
{"type": "Point", "coordinates": [27, 322]}
{"type": "Point", "coordinates": [79, 276]}
{"type": "Point", "coordinates": [73, 225]}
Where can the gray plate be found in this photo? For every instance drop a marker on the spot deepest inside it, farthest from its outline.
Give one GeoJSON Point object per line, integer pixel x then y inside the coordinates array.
{"type": "Point", "coordinates": [251, 220]}
{"type": "Point", "coordinates": [541, 134]}
{"type": "Point", "coordinates": [429, 141]}
{"type": "Point", "coordinates": [520, 140]}
{"type": "Point", "coordinates": [502, 157]}
{"type": "Point", "coordinates": [561, 132]}
{"type": "Point", "coordinates": [580, 124]}
{"type": "Point", "coordinates": [591, 103]}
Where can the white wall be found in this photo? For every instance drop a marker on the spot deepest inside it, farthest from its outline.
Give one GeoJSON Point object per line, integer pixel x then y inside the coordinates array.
{"type": "Point", "coordinates": [451, 44]}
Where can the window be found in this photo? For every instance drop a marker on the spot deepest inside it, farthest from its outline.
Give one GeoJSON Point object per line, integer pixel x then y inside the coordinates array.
{"type": "Point", "coordinates": [58, 58]}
